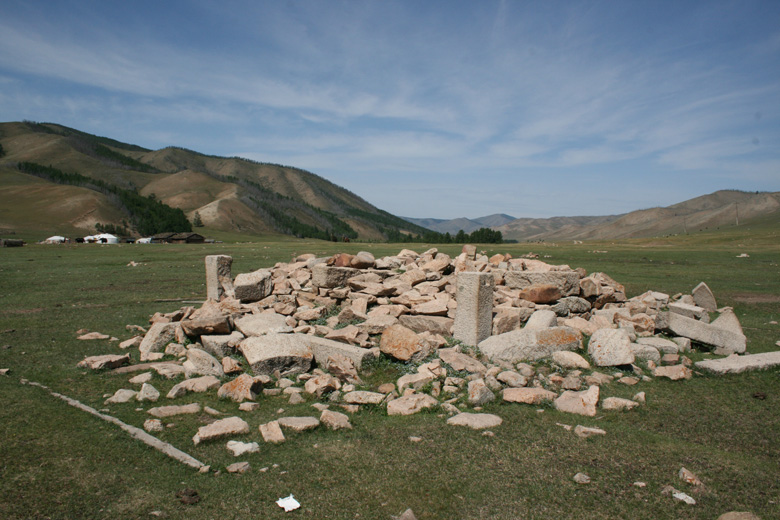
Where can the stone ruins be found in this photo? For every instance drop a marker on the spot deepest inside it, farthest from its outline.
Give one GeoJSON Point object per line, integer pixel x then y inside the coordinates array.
{"type": "Point", "coordinates": [471, 330]}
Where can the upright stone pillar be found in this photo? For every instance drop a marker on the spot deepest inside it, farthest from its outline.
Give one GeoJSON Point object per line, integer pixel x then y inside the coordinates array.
{"type": "Point", "coordinates": [219, 280]}
{"type": "Point", "coordinates": [474, 314]}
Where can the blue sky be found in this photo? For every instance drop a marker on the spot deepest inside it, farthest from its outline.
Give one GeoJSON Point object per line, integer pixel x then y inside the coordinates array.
{"type": "Point", "coordinates": [424, 108]}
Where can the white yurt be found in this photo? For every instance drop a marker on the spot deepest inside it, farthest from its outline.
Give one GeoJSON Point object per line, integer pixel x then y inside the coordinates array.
{"type": "Point", "coordinates": [102, 238]}
{"type": "Point", "coordinates": [147, 240]}
{"type": "Point", "coordinates": [56, 239]}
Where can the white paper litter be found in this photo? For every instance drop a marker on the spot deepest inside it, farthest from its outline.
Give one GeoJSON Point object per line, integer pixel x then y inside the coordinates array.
{"type": "Point", "coordinates": [288, 503]}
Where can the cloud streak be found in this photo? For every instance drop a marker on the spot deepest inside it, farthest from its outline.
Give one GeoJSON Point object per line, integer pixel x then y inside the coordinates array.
{"type": "Point", "coordinates": [433, 93]}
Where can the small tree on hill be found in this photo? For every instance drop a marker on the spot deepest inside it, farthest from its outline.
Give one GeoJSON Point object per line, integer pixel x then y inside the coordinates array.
{"type": "Point", "coordinates": [196, 220]}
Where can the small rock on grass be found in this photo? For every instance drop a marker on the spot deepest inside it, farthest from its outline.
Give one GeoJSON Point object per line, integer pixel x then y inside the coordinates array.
{"type": "Point", "coordinates": [475, 421]}
{"type": "Point", "coordinates": [689, 477]}
{"type": "Point", "coordinates": [153, 425]}
{"type": "Point", "coordinates": [238, 467]}
{"type": "Point", "coordinates": [238, 448]}
{"type": "Point", "coordinates": [581, 478]}
{"type": "Point", "coordinates": [738, 515]}
{"type": "Point", "coordinates": [585, 432]}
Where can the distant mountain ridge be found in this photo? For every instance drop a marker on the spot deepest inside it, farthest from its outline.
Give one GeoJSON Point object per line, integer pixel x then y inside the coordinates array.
{"type": "Point", "coordinates": [721, 208]}
{"type": "Point", "coordinates": [467, 225]}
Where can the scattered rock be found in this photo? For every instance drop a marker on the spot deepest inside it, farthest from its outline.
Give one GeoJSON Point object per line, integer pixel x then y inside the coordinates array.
{"type": "Point", "coordinates": [153, 425]}
{"type": "Point", "coordinates": [610, 347]}
{"type": "Point", "coordinates": [168, 411]}
{"type": "Point", "coordinates": [238, 467]}
{"type": "Point", "coordinates": [582, 403]}
{"type": "Point", "coordinates": [411, 404]}
{"type": "Point", "coordinates": [238, 448]}
{"type": "Point", "coordinates": [585, 432]}
{"type": "Point", "coordinates": [581, 478]}
{"type": "Point", "coordinates": [272, 432]}
{"type": "Point", "coordinates": [335, 420]}
{"type": "Point", "coordinates": [475, 421]}
{"type": "Point", "coordinates": [299, 424]}
{"type": "Point", "coordinates": [221, 428]}
{"type": "Point", "coordinates": [103, 362]}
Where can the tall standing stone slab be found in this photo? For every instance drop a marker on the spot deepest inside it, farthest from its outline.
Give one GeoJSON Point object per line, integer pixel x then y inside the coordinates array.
{"type": "Point", "coordinates": [704, 298]}
{"type": "Point", "coordinates": [219, 279]}
{"type": "Point", "coordinates": [474, 315]}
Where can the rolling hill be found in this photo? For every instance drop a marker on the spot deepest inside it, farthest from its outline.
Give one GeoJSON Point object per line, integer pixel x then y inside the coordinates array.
{"type": "Point", "coordinates": [230, 194]}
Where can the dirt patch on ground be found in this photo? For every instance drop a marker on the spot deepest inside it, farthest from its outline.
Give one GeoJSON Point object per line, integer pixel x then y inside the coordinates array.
{"type": "Point", "coordinates": [756, 297]}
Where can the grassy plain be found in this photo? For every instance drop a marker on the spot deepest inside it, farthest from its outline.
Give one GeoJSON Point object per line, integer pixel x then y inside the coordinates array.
{"type": "Point", "coordinates": [58, 462]}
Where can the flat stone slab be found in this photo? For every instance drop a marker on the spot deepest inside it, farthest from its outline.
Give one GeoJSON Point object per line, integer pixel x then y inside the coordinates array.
{"type": "Point", "coordinates": [411, 404]}
{"type": "Point", "coordinates": [105, 361]}
{"type": "Point", "coordinates": [735, 364]}
{"type": "Point", "coordinates": [528, 395]}
{"type": "Point", "coordinates": [524, 344]}
{"type": "Point", "coordinates": [299, 424]}
{"type": "Point", "coordinates": [263, 323]}
{"type": "Point", "coordinates": [363, 397]}
{"type": "Point", "coordinates": [287, 353]}
{"type": "Point", "coordinates": [168, 411]}
{"type": "Point", "coordinates": [705, 333]}
{"type": "Point", "coordinates": [475, 421]}
{"type": "Point", "coordinates": [221, 428]}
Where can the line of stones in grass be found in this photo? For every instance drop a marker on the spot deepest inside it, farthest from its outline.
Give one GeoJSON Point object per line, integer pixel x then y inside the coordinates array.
{"type": "Point", "coordinates": [469, 327]}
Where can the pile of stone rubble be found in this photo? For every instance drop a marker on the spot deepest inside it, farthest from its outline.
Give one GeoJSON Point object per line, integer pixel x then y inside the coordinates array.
{"type": "Point", "coordinates": [472, 329]}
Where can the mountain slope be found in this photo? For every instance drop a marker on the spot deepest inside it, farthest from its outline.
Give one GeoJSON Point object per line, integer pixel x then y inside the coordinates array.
{"type": "Point", "coordinates": [721, 208]}
{"type": "Point", "coordinates": [227, 193]}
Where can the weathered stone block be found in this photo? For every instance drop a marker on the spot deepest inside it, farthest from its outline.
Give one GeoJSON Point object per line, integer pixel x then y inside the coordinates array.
{"type": "Point", "coordinates": [253, 287]}
{"type": "Point", "coordinates": [219, 280]}
{"type": "Point", "coordinates": [525, 344]}
{"type": "Point", "coordinates": [567, 281]}
{"type": "Point", "coordinates": [474, 314]}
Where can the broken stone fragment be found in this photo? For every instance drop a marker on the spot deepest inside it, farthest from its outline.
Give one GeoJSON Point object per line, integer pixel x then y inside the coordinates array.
{"type": "Point", "coordinates": [263, 323]}
{"type": "Point", "coordinates": [403, 344]}
{"type": "Point", "coordinates": [299, 424]}
{"type": "Point", "coordinates": [159, 335]}
{"type": "Point", "coordinates": [93, 335]}
{"type": "Point", "coordinates": [133, 342]}
{"type": "Point", "coordinates": [610, 347]}
{"type": "Point", "coordinates": [479, 393]}
{"type": "Point", "coordinates": [335, 420]}
{"type": "Point", "coordinates": [286, 353]}
{"type": "Point", "coordinates": [201, 363]}
{"type": "Point", "coordinates": [106, 361]}
{"type": "Point", "coordinates": [411, 404]}
{"type": "Point", "coordinates": [459, 361]}
{"type": "Point", "coordinates": [585, 431]}
{"type": "Point", "coordinates": [735, 364]}
{"type": "Point", "coordinates": [153, 425]}
{"type": "Point", "coordinates": [253, 287]}
{"type": "Point", "coordinates": [238, 448]}
{"type": "Point", "coordinates": [528, 395]}
{"type": "Point", "coordinates": [433, 324]}
{"type": "Point", "coordinates": [617, 403]}
{"type": "Point", "coordinates": [210, 325]}
{"type": "Point", "coordinates": [197, 384]}
{"type": "Point", "coordinates": [704, 298]}
{"type": "Point", "coordinates": [703, 332]}
{"type": "Point", "coordinates": [148, 393]}
{"type": "Point", "coordinates": [581, 478]}
{"type": "Point", "coordinates": [566, 359]}
{"type": "Point", "coordinates": [363, 397]}
{"type": "Point", "coordinates": [221, 428]}
{"type": "Point", "coordinates": [475, 421]}
{"type": "Point", "coordinates": [272, 432]}
{"type": "Point", "coordinates": [167, 411]}
{"type": "Point", "coordinates": [123, 395]}
{"type": "Point", "coordinates": [674, 372]}
{"type": "Point", "coordinates": [525, 344]}
{"type": "Point", "coordinates": [582, 403]}
{"type": "Point", "coordinates": [238, 390]}
{"type": "Point", "coordinates": [238, 467]}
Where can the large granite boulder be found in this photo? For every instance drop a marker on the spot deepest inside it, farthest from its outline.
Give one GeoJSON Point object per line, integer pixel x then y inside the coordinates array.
{"type": "Point", "coordinates": [529, 345]}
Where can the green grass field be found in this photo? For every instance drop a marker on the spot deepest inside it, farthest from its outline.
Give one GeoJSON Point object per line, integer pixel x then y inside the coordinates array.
{"type": "Point", "coordinates": [59, 462]}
